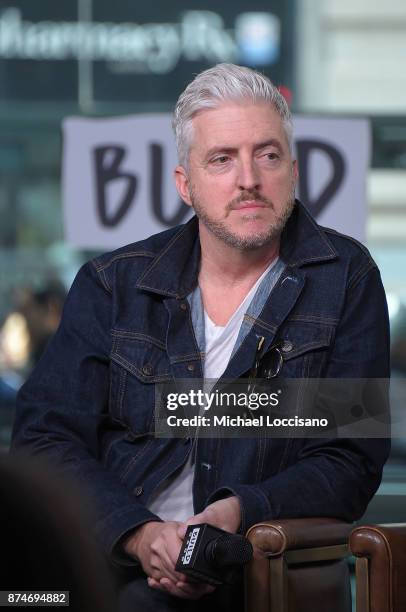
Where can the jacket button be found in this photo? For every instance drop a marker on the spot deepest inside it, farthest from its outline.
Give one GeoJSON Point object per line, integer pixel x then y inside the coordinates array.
{"type": "Point", "coordinates": [147, 369]}
{"type": "Point", "coordinates": [286, 346]}
{"type": "Point", "coordinates": [183, 306]}
{"type": "Point", "coordinates": [138, 491]}
{"type": "Point", "coordinates": [191, 367]}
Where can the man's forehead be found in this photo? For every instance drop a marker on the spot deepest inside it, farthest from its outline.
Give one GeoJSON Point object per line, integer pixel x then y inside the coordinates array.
{"type": "Point", "coordinates": [232, 123]}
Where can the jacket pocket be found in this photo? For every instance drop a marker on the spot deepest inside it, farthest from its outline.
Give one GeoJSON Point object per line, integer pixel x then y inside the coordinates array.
{"type": "Point", "coordinates": [137, 363]}
{"type": "Point", "coordinates": [304, 347]}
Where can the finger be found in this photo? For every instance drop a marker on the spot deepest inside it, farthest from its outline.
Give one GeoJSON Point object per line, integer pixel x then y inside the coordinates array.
{"type": "Point", "coordinates": [182, 531]}
{"type": "Point", "coordinates": [172, 550]}
{"type": "Point", "coordinates": [163, 565]}
{"type": "Point", "coordinates": [195, 590]}
{"type": "Point", "coordinates": [210, 516]}
{"type": "Point", "coordinates": [196, 519]}
{"type": "Point", "coordinates": [154, 584]}
{"type": "Point", "coordinates": [169, 556]}
{"type": "Point", "coordinates": [157, 568]}
{"type": "Point", "coordinates": [165, 585]}
{"type": "Point", "coordinates": [171, 588]}
{"type": "Point", "coordinates": [169, 571]}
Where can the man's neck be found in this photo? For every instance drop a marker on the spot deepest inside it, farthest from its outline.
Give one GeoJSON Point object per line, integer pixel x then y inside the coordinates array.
{"type": "Point", "coordinates": [227, 274]}
{"type": "Point", "coordinates": [225, 266]}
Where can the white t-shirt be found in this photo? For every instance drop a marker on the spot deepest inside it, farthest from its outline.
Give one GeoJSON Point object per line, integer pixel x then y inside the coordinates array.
{"type": "Point", "coordinates": [173, 500]}
{"type": "Point", "coordinates": [220, 340]}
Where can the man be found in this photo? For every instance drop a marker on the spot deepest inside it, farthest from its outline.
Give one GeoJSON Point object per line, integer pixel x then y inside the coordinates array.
{"type": "Point", "coordinates": [251, 273]}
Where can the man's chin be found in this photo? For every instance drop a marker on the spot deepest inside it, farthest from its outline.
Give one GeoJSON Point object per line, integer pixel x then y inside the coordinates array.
{"type": "Point", "coordinates": [252, 243]}
{"type": "Point", "coordinates": [253, 231]}
{"type": "Point", "coordinates": [248, 241]}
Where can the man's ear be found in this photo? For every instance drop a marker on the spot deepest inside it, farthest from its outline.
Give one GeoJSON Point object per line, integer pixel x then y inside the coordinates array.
{"type": "Point", "coordinates": [182, 184]}
{"type": "Point", "coordinates": [295, 173]}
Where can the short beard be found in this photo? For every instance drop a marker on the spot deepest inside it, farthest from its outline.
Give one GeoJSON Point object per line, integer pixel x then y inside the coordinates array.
{"type": "Point", "coordinates": [252, 241]}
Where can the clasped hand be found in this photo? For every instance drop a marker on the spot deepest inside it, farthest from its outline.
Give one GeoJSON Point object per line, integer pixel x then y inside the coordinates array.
{"type": "Point", "coordinates": [157, 545]}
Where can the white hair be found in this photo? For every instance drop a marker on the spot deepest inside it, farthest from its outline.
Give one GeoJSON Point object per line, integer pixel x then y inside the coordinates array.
{"type": "Point", "coordinates": [223, 83]}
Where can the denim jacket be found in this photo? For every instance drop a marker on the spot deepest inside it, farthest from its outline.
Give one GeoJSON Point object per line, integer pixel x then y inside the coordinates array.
{"type": "Point", "coordinates": [89, 405]}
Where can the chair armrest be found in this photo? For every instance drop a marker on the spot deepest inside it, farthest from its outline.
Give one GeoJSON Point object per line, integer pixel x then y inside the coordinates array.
{"type": "Point", "coordinates": [297, 564]}
{"type": "Point", "coordinates": [380, 567]}
{"type": "Point", "coordinates": [273, 538]}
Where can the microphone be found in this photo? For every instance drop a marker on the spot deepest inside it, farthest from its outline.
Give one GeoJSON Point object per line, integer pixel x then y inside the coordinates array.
{"type": "Point", "coordinates": [213, 555]}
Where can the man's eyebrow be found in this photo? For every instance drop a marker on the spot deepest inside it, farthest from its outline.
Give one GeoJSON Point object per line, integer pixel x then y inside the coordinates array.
{"type": "Point", "coordinates": [220, 149]}
{"type": "Point", "coordinates": [274, 142]}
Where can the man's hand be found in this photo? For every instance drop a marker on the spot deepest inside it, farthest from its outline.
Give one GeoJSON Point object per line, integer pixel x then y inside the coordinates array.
{"type": "Point", "coordinates": [184, 590]}
{"type": "Point", "coordinates": [156, 546]}
{"type": "Point", "coordinates": [224, 514]}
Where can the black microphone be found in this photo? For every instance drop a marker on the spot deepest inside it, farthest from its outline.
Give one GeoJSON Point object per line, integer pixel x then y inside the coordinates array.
{"type": "Point", "coordinates": [213, 555]}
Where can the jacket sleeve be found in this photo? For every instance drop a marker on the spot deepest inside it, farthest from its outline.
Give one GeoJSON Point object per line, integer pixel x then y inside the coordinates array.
{"type": "Point", "coordinates": [64, 403]}
{"type": "Point", "coordinates": [333, 477]}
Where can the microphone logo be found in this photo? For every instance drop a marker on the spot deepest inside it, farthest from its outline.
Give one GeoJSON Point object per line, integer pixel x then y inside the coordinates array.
{"type": "Point", "coordinates": [190, 546]}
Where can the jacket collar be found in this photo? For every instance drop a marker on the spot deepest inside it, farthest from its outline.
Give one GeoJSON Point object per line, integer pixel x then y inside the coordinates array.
{"type": "Point", "coordinates": [303, 241]}
{"type": "Point", "coordinates": [174, 271]}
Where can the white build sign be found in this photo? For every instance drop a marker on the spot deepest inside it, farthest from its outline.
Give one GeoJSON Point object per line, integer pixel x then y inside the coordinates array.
{"type": "Point", "coordinates": [118, 185]}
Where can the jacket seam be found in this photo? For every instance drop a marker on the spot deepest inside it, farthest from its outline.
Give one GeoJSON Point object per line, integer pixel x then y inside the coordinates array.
{"type": "Point", "coordinates": [121, 392]}
{"type": "Point", "coordinates": [128, 335]}
{"type": "Point", "coordinates": [201, 355]}
{"type": "Point", "coordinates": [321, 233]}
{"type": "Point", "coordinates": [261, 323]}
{"type": "Point", "coordinates": [123, 476]}
{"type": "Point", "coordinates": [325, 321]}
{"type": "Point", "coordinates": [161, 254]}
{"type": "Point", "coordinates": [134, 370]}
{"type": "Point", "coordinates": [183, 358]}
{"type": "Point", "coordinates": [329, 230]}
{"type": "Point", "coordinates": [116, 513]}
{"type": "Point", "coordinates": [359, 275]}
{"type": "Point", "coordinates": [101, 278]}
{"type": "Point", "coordinates": [103, 275]}
{"type": "Point", "coordinates": [304, 348]}
{"type": "Point", "coordinates": [217, 454]}
{"type": "Point", "coordinates": [305, 260]}
{"type": "Point", "coordinates": [127, 255]}
{"type": "Point", "coordinates": [262, 445]}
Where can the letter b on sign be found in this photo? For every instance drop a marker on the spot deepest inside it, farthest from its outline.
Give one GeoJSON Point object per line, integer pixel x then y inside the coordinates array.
{"type": "Point", "coordinates": [107, 160]}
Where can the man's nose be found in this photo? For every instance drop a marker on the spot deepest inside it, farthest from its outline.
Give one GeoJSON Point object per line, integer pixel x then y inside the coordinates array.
{"type": "Point", "coordinates": [248, 175]}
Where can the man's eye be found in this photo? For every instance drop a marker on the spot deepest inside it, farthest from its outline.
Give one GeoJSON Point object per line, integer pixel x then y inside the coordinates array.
{"type": "Point", "coordinates": [271, 156]}
{"type": "Point", "coordinates": [221, 159]}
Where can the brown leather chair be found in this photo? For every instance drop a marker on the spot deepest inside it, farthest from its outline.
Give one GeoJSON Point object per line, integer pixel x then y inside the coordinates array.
{"type": "Point", "coordinates": [380, 552]}
{"type": "Point", "coordinates": [300, 567]}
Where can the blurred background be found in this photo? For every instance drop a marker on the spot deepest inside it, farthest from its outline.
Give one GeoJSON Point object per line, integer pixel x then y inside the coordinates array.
{"type": "Point", "coordinates": [94, 58]}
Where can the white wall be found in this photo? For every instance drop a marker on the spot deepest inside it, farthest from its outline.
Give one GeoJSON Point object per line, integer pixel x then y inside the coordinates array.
{"type": "Point", "coordinates": [352, 55]}
{"type": "Point", "coordinates": [351, 59]}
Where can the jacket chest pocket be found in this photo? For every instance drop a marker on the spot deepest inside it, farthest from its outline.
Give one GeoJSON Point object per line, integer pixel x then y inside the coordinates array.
{"type": "Point", "coordinates": [303, 348]}
{"type": "Point", "coordinates": [136, 365]}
